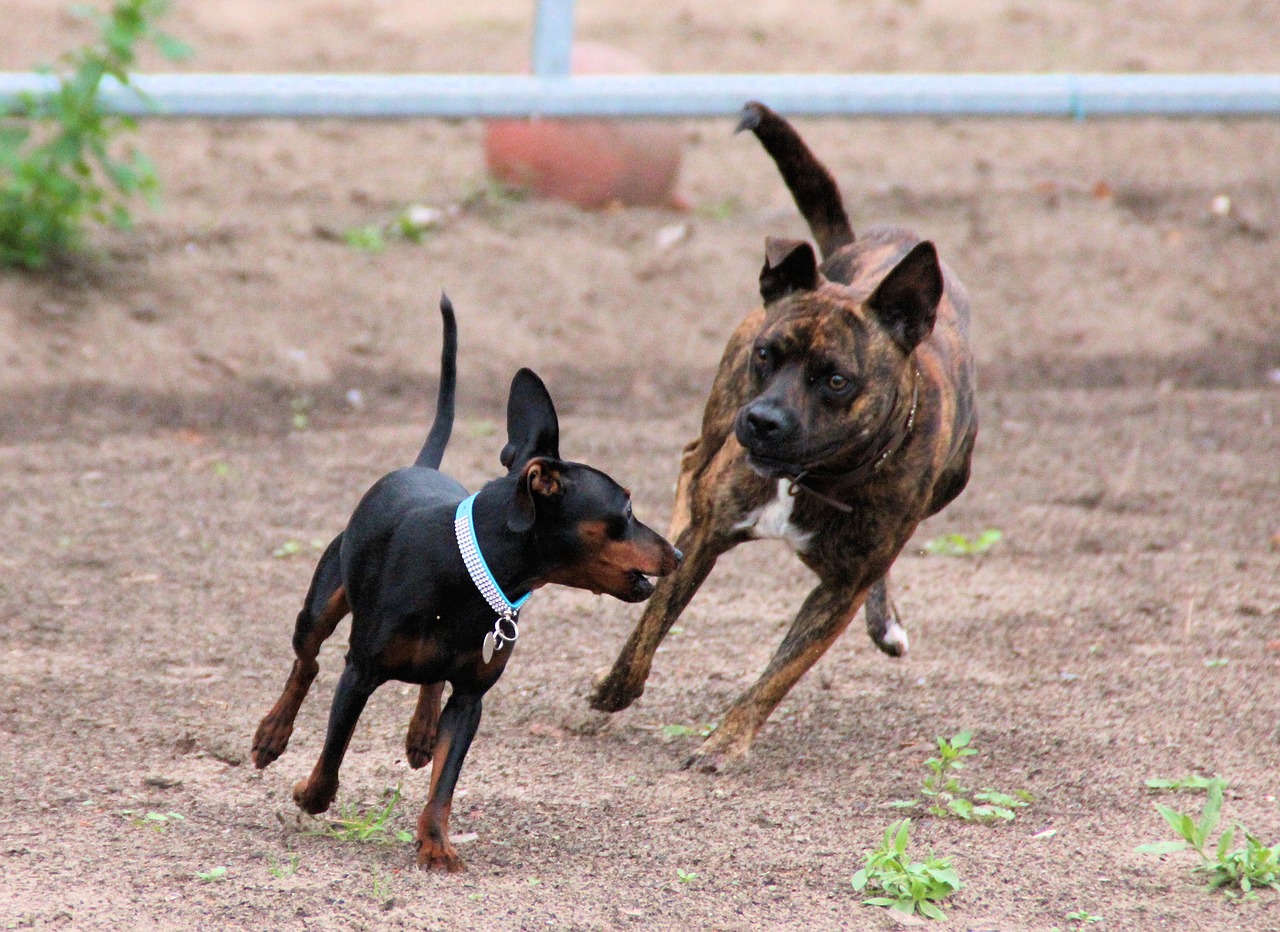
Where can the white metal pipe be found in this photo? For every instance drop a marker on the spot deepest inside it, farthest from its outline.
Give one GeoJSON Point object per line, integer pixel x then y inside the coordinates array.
{"type": "Point", "coordinates": [552, 38]}
{"type": "Point", "coordinates": [460, 96]}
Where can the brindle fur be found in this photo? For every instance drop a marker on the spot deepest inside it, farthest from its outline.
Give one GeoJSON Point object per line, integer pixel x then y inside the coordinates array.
{"type": "Point", "coordinates": [883, 310]}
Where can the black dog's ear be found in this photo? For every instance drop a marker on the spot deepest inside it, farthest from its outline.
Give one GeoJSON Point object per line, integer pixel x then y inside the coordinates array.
{"type": "Point", "coordinates": [532, 426]}
{"type": "Point", "coordinates": [906, 302]}
{"type": "Point", "coordinates": [789, 265]}
{"type": "Point", "coordinates": [541, 479]}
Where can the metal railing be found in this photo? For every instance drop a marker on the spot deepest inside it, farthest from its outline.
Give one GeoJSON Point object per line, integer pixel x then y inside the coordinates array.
{"type": "Point", "coordinates": [552, 92]}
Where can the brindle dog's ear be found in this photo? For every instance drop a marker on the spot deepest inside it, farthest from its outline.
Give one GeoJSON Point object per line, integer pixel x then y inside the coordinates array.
{"type": "Point", "coordinates": [906, 302]}
{"type": "Point", "coordinates": [789, 265]}
{"type": "Point", "coordinates": [532, 426]}
{"type": "Point", "coordinates": [541, 479]}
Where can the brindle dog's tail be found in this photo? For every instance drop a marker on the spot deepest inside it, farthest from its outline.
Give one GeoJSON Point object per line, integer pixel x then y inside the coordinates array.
{"type": "Point", "coordinates": [433, 450]}
{"type": "Point", "coordinates": [811, 185]}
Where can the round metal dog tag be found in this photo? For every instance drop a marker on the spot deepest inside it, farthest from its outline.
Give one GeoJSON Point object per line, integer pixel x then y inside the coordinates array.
{"type": "Point", "coordinates": [487, 650]}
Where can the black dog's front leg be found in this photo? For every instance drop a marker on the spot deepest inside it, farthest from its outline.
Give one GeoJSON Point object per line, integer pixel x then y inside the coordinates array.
{"type": "Point", "coordinates": [420, 742]}
{"type": "Point", "coordinates": [458, 724]}
{"type": "Point", "coordinates": [354, 689]}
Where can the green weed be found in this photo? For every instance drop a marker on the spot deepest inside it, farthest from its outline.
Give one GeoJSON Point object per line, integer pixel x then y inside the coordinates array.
{"type": "Point", "coordinates": [723, 209]}
{"type": "Point", "coordinates": [61, 167]}
{"type": "Point", "coordinates": [961, 545]}
{"type": "Point", "coordinates": [685, 876]}
{"type": "Point", "coordinates": [491, 197]}
{"type": "Point", "coordinates": [1194, 783]}
{"type": "Point", "coordinates": [282, 869]}
{"type": "Point", "coordinates": [687, 731]}
{"type": "Point", "coordinates": [368, 238]}
{"type": "Point", "coordinates": [902, 884]}
{"type": "Point", "coordinates": [1083, 916]}
{"type": "Point", "coordinates": [414, 224]}
{"type": "Point", "coordinates": [156, 821]}
{"type": "Point", "coordinates": [1234, 870]}
{"type": "Point", "coordinates": [950, 798]}
{"type": "Point", "coordinates": [380, 889]}
{"type": "Point", "coordinates": [352, 824]}
{"type": "Point", "coordinates": [212, 874]}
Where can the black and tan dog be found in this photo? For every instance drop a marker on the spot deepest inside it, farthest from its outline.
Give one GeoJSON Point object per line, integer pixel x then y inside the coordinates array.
{"type": "Point", "coordinates": [841, 416]}
{"type": "Point", "coordinates": [434, 581]}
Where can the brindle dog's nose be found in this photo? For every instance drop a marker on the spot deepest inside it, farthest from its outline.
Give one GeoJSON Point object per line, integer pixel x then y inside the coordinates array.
{"type": "Point", "coordinates": [767, 423]}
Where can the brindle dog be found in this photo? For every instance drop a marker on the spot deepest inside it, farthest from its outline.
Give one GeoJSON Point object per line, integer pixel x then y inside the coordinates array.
{"type": "Point", "coordinates": [842, 415]}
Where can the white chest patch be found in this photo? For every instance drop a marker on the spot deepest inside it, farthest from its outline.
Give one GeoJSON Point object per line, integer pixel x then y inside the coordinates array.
{"type": "Point", "coordinates": [773, 520]}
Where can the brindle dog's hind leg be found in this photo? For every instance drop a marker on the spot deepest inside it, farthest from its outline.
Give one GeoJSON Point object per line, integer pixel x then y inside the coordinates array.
{"type": "Point", "coordinates": [884, 625]}
{"type": "Point", "coordinates": [324, 607]}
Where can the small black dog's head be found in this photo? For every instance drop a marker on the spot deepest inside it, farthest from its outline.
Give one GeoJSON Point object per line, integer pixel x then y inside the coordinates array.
{"type": "Point", "coordinates": [826, 366]}
{"type": "Point", "coordinates": [587, 536]}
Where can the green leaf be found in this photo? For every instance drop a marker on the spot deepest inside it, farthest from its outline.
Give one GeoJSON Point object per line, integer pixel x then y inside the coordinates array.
{"type": "Point", "coordinates": [902, 837]}
{"type": "Point", "coordinates": [1224, 843]}
{"type": "Point", "coordinates": [859, 879]}
{"type": "Point", "coordinates": [929, 909]}
{"type": "Point", "coordinates": [1209, 816]}
{"type": "Point", "coordinates": [1162, 847]}
{"type": "Point", "coordinates": [1181, 823]}
{"type": "Point", "coordinates": [171, 48]}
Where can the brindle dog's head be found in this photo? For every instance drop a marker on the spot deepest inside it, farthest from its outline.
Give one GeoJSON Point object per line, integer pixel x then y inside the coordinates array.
{"type": "Point", "coordinates": [828, 367]}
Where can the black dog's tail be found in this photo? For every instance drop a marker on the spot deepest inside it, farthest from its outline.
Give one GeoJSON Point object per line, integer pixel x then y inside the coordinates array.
{"type": "Point", "coordinates": [433, 450]}
{"type": "Point", "coordinates": [812, 187]}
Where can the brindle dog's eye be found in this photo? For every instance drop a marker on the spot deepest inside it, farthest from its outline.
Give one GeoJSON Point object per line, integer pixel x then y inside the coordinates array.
{"type": "Point", "coordinates": [762, 355]}
{"type": "Point", "coordinates": [837, 382]}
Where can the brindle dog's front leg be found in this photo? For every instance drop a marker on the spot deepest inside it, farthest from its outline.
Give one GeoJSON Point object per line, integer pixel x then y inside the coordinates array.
{"type": "Point", "coordinates": [625, 682]}
{"type": "Point", "coordinates": [825, 614]}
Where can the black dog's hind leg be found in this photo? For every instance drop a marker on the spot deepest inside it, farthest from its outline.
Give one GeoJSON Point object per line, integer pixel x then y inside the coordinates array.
{"type": "Point", "coordinates": [420, 742]}
{"type": "Point", "coordinates": [314, 794]}
{"type": "Point", "coordinates": [324, 607]}
{"type": "Point", "coordinates": [884, 625]}
{"type": "Point", "coordinates": [458, 724]}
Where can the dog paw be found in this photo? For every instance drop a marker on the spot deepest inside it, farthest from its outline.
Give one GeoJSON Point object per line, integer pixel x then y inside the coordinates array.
{"type": "Point", "coordinates": [314, 800]}
{"type": "Point", "coordinates": [437, 855]}
{"type": "Point", "coordinates": [612, 694]}
{"type": "Point", "coordinates": [893, 641]}
{"type": "Point", "coordinates": [269, 742]}
{"type": "Point", "coordinates": [419, 746]}
{"type": "Point", "coordinates": [711, 762]}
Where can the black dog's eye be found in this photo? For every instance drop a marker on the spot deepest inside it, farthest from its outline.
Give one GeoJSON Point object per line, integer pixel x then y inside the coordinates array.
{"type": "Point", "coordinates": [837, 382]}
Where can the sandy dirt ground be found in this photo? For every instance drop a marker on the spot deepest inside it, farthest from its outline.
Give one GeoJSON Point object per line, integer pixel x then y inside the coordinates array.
{"type": "Point", "coordinates": [184, 416]}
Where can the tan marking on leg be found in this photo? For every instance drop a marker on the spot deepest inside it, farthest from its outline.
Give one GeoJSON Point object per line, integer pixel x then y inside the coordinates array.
{"type": "Point", "coordinates": [276, 727]}
{"type": "Point", "coordinates": [420, 742]}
